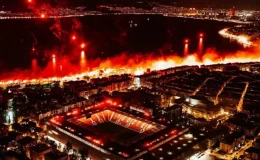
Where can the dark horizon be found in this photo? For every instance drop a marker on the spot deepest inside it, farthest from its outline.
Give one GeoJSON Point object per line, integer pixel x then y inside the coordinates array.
{"type": "Point", "coordinates": [21, 5]}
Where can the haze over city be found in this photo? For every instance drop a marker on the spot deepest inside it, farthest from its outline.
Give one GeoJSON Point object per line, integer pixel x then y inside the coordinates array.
{"type": "Point", "coordinates": [129, 80]}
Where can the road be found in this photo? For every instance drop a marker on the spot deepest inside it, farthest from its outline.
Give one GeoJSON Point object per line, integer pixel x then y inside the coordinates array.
{"type": "Point", "coordinates": [235, 154]}
{"type": "Point", "coordinates": [202, 156]}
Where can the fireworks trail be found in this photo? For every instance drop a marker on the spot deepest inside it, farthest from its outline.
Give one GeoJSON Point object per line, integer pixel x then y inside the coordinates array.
{"type": "Point", "coordinates": [76, 25]}
{"type": "Point", "coordinates": [35, 41]}
{"type": "Point", "coordinates": [56, 29]}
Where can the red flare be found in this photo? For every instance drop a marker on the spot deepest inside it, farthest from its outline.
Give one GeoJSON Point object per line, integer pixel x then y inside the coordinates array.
{"type": "Point", "coordinates": [82, 54]}
{"type": "Point", "coordinates": [43, 15]}
{"type": "Point", "coordinates": [83, 45]}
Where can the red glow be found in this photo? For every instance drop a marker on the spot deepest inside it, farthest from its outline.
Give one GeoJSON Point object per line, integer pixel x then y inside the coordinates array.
{"type": "Point", "coordinates": [83, 45]}
{"type": "Point", "coordinates": [34, 65]}
{"type": "Point", "coordinates": [124, 154]}
{"type": "Point", "coordinates": [43, 15]}
{"type": "Point", "coordinates": [82, 61]}
{"type": "Point", "coordinates": [147, 144]}
{"type": "Point", "coordinates": [75, 112]}
{"type": "Point", "coordinates": [173, 132]}
{"type": "Point", "coordinates": [147, 114]}
{"type": "Point", "coordinates": [56, 120]}
{"type": "Point", "coordinates": [88, 137]}
{"type": "Point", "coordinates": [29, 1]}
{"type": "Point", "coordinates": [82, 55]}
{"type": "Point", "coordinates": [54, 64]}
{"type": "Point", "coordinates": [201, 35]}
{"type": "Point", "coordinates": [186, 41]}
{"type": "Point", "coordinates": [136, 125]}
{"type": "Point", "coordinates": [115, 64]}
{"type": "Point", "coordinates": [97, 141]}
{"type": "Point", "coordinates": [74, 37]}
{"type": "Point", "coordinates": [200, 47]}
{"type": "Point", "coordinates": [54, 60]}
{"type": "Point", "coordinates": [186, 49]}
{"type": "Point", "coordinates": [33, 49]}
{"type": "Point", "coordinates": [52, 120]}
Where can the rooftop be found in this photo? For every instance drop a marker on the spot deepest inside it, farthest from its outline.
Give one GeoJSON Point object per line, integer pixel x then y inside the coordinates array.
{"type": "Point", "coordinates": [232, 137]}
{"type": "Point", "coordinates": [40, 147]}
{"type": "Point", "coordinates": [55, 154]}
{"type": "Point", "coordinates": [26, 140]}
{"type": "Point", "coordinates": [253, 150]}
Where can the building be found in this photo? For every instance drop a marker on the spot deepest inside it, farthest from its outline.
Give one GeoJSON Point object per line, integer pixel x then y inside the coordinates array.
{"type": "Point", "coordinates": [172, 113]}
{"type": "Point", "coordinates": [38, 151]}
{"type": "Point", "coordinates": [143, 78]}
{"type": "Point", "coordinates": [3, 130]}
{"type": "Point", "coordinates": [255, 68]}
{"type": "Point", "coordinates": [138, 100]}
{"type": "Point", "coordinates": [118, 85]}
{"type": "Point", "coordinates": [56, 155]}
{"type": "Point", "coordinates": [201, 107]}
{"type": "Point", "coordinates": [11, 155]}
{"type": "Point", "coordinates": [81, 88]}
{"type": "Point", "coordinates": [240, 123]}
{"type": "Point", "coordinates": [166, 100]}
{"type": "Point", "coordinates": [216, 136]}
{"type": "Point", "coordinates": [230, 68]}
{"type": "Point", "coordinates": [232, 142]}
{"type": "Point", "coordinates": [256, 143]}
{"type": "Point", "coordinates": [196, 121]}
{"type": "Point", "coordinates": [27, 142]}
{"type": "Point", "coordinates": [252, 153]}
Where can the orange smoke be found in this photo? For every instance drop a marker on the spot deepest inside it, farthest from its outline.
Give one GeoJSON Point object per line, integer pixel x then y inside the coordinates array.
{"type": "Point", "coordinates": [125, 63]}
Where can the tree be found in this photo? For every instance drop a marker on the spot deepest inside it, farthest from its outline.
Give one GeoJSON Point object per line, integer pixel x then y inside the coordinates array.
{"type": "Point", "coordinates": [84, 153]}
{"type": "Point", "coordinates": [31, 124]}
{"type": "Point", "coordinates": [53, 145]}
{"type": "Point", "coordinates": [69, 146]}
{"type": "Point", "coordinates": [16, 126]}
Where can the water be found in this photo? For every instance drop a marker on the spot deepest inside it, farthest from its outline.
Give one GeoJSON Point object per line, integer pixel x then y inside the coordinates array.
{"type": "Point", "coordinates": [21, 41]}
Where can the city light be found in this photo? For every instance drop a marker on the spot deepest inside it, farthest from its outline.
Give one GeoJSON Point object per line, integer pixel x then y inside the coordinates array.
{"type": "Point", "coordinates": [188, 136]}
{"type": "Point", "coordinates": [241, 39]}
{"type": "Point", "coordinates": [183, 98]}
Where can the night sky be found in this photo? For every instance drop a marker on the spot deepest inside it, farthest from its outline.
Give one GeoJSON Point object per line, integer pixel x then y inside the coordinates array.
{"type": "Point", "coordinates": [20, 5]}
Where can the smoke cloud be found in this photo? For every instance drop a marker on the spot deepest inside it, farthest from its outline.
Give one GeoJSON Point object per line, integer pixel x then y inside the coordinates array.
{"type": "Point", "coordinates": [133, 61]}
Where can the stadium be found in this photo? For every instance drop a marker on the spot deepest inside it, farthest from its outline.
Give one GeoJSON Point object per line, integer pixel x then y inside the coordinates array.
{"type": "Point", "coordinates": [116, 125]}
{"type": "Point", "coordinates": [109, 132]}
